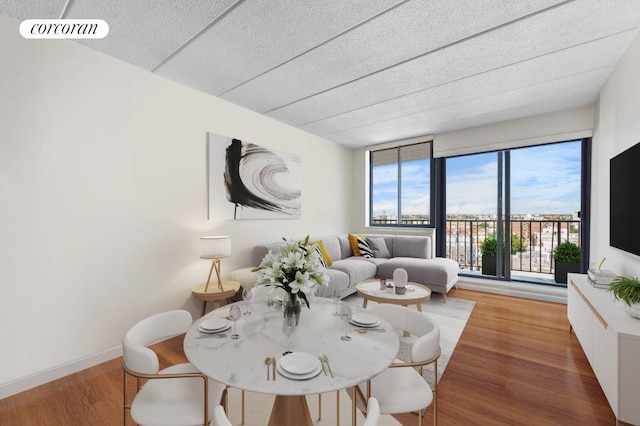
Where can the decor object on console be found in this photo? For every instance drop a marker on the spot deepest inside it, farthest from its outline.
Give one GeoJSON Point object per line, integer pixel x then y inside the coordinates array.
{"type": "Point", "coordinates": [628, 290]}
{"type": "Point", "coordinates": [215, 248]}
{"type": "Point", "coordinates": [249, 181]}
{"type": "Point", "coordinates": [567, 257]}
{"type": "Point", "coordinates": [297, 269]}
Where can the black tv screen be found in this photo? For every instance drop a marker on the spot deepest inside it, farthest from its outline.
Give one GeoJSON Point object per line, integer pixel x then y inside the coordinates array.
{"type": "Point", "coordinates": [624, 225]}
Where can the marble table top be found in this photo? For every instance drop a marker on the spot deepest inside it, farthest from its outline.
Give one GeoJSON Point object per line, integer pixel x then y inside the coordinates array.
{"type": "Point", "coordinates": [240, 363]}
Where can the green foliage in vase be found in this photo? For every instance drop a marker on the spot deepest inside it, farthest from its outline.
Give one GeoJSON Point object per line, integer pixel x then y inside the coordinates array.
{"type": "Point", "coordinates": [626, 289]}
{"type": "Point", "coordinates": [567, 252]}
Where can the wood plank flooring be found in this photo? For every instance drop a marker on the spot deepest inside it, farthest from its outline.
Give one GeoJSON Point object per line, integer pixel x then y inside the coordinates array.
{"type": "Point", "coordinates": [515, 364]}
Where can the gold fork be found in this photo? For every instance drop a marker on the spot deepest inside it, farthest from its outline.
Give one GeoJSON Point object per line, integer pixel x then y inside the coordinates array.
{"type": "Point", "coordinates": [325, 358]}
{"type": "Point", "coordinates": [217, 336]}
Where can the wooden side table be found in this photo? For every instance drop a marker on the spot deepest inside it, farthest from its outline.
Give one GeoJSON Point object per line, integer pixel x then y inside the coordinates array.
{"type": "Point", "coordinates": [213, 293]}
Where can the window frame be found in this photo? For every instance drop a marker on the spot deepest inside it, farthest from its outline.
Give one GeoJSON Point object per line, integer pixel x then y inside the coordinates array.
{"type": "Point", "coordinates": [432, 187]}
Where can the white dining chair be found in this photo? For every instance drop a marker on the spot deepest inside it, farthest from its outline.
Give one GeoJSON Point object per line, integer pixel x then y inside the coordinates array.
{"type": "Point", "coordinates": [220, 417]}
{"type": "Point", "coordinates": [373, 413]}
{"type": "Point", "coordinates": [179, 394]}
{"type": "Point", "coordinates": [400, 388]}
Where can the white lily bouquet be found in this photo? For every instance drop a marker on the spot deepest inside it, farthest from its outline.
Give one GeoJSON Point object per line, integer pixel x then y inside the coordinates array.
{"type": "Point", "coordinates": [297, 269]}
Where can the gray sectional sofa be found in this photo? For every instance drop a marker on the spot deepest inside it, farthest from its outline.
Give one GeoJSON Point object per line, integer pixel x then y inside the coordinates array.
{"type": "Point", "coordinates": [412, 253]}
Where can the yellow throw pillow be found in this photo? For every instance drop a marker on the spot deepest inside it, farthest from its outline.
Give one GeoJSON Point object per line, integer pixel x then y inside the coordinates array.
{"type": "Point", "coordinates": [353, 241]}
{"type": "Point", "coordinates": [323, 250]}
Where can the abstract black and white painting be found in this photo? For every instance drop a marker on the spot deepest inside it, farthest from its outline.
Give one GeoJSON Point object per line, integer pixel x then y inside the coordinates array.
{"type": "Point", "coordinates": [250, 181]}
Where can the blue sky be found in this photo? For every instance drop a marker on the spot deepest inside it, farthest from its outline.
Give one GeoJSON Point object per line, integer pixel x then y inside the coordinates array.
{"type": "Point", "coordinates": [544, 179]}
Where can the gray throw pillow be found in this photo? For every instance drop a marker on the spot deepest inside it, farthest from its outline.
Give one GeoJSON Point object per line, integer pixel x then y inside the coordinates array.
{"type": "Point", "coordinates": [379, 247]}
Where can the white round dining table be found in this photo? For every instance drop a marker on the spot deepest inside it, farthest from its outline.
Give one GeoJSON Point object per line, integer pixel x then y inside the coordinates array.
{"type": "Point", "coordinates": [240, 363]}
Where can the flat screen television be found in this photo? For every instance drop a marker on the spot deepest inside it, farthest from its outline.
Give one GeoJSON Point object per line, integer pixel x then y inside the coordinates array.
{"type": "Point", "coordinates": [624, 225]}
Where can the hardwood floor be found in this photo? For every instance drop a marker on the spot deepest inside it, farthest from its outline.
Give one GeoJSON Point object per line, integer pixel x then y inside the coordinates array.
{"type": "Point", "coordinates": [515, 364]}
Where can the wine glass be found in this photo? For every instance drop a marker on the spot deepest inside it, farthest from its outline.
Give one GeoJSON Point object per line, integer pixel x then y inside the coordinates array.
{"type": "Point", "coordinates": [288, 328]}
{"type": "Point", "coordinates": [234, 315]}
{"type": "Point", "coordinates": [247, 293]}
{"type": "Point", "coordinates": [345, 316]}
{"type": "Point", "coordinates": [334, 293]}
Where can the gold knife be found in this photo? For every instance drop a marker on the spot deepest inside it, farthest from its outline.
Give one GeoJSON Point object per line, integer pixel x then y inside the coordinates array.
{"type": "Point", "coordinates": [273, 366]}
{"type": "Point", "coordinates": [326, 359]}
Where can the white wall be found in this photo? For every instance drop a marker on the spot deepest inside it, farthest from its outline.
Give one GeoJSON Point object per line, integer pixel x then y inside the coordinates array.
{"type": "Point", "coordinates": [617, 128]}
{"type": "Point", "coordinates": [103, 200]}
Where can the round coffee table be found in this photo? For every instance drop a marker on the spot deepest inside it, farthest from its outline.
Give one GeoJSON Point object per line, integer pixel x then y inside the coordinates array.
{"type": "Point", "coordinates": [416, 294]}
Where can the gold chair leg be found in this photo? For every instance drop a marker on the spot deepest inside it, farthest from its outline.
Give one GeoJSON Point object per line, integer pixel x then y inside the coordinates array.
{"type": "Point", "coordinates": [319, 406]}
{"type": "Point", "coordinates": [337, 408]}
{"type": "Point", "coordinates": [242, 422]}
{"type": "Point", "coordinates": [124, 398]}
{"type": "Point", "coordinates": [353, 405]}
{"type": "Point", "coordinates": [435, 392]}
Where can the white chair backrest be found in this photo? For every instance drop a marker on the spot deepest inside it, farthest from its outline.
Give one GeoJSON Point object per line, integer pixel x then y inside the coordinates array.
{"type": "Point", "coordinates": [373, 412]}
{"type": "Point", "coordinates": [219, 417]}
{"type": "Point", "coordinates": [418, 323]}
{"type": "Point", "coordinates": [137, 357]}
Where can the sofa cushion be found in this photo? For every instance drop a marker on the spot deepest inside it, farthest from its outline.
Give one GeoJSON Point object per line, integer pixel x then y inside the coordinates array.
{"type": "Point", "coordinates": [345, 246]}
{"type": "Point", "coordinates": [409, 246]}
{"type": "Point", "coordinates": [337, 279]}
{"type": "Point", "coordinates": [358, 268]}
{"type": "Point", "coordinates": [439, 274]}
{"type": "Point", "coordinates": [326, 257]}
{"type": "Point", "coordinates": [379, 247]}
{"type": "Point", "coordinates": [355, 240]}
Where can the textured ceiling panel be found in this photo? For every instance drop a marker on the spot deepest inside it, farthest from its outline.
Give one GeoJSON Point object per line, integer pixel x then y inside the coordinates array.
{"type": "Point", "coordinates": [259, 35]}
{"type": "Point", "coordinates": [32, 9]}
{"type": "Point", "coordinates": [568, 89]}
{"type": "Point", "coordinates": [368, 71]}
{"type": "Point", "coordinates": [146, 32]}
{"type": "Point", "coordinates": [399, 35]}
{"type": "Point", "coordinates": [595, 55]}
{"type": "Point", "coordinates": [541, 34]}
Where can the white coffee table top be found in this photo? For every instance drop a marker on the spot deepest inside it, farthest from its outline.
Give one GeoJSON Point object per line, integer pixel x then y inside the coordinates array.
{"type": "Point", "coordinates": [240, 363]}
{"type": "Point", "coordinates": [415, 292]}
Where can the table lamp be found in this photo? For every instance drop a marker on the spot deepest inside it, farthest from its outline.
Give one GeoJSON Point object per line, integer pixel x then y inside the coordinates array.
{"type": "Point", "coordinates": [215, 248]}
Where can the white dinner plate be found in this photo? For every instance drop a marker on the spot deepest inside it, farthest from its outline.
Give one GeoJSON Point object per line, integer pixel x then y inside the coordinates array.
{"type": "Point", "coordinates": [364, 318]}
{"type": "Point", "coordinates": [288, 375]}
{"type": "Point", "coordinates": [204, 330]}
{"type": "Point", "coordinates": [357, 324]}
{"type": "Point", "coordinates": [299, 363]}
{"type": "Point", "coordinates": [215, 324]}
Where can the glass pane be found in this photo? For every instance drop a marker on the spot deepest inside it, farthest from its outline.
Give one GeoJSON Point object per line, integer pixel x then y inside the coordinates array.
{"type": "Point", "coordinates": [415, 171]}
{"type": "Point", "coordinates": [545, 201]}
{"type": "Point", "coordinates": [471, 207]}
{"type": "Point", "coordinates": [384, 186]}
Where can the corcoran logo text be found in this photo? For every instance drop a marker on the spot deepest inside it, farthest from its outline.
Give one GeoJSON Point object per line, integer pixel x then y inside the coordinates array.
{"type": "Point", "coordinates": [64, 28]}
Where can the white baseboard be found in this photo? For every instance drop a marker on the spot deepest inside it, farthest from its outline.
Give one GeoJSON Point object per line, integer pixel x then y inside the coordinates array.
{"type": "Point", "coordinates": [516, 289]}
{"type": "Point", "coordinates": [40, 378]}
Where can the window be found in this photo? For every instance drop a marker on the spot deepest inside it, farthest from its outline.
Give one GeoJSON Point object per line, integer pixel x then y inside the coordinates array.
{"type": "Point", "coordinates": [400, 186]}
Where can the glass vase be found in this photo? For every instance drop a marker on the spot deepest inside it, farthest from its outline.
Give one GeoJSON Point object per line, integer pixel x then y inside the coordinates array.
{"type": "Point", "coordinates": [292, 308]}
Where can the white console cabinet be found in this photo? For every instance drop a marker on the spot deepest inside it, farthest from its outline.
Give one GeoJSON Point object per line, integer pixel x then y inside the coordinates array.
{"type": "Point", "coordinates": [611, 340]}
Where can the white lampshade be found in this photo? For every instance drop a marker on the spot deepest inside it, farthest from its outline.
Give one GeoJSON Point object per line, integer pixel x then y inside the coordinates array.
{"type": "Point", "coordinates": [215, 247]}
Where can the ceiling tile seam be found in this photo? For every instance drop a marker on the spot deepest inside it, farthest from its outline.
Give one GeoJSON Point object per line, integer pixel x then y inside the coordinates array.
{"type": "Point", "coordinates": [466, 101]}
{"type": "Point", "coordinates": [199, 33]}
{"type": "Point", "coordinates": [446, 46]}
{"type": "Point", "coordinates": [317, 46]}
{"type": "Point", "coordinates": [431, 130]}
{"type": "Point", "coordinates": [65, 9]}
{"type": "Point", "coordinates": [470, 76]}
